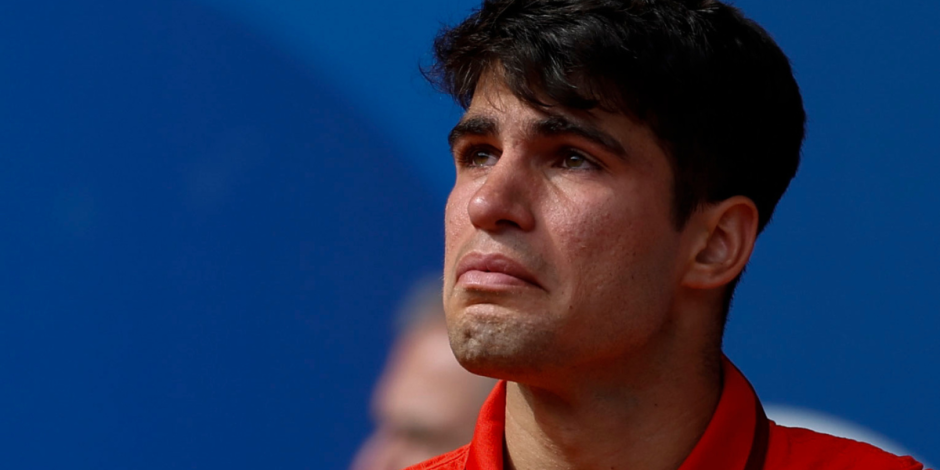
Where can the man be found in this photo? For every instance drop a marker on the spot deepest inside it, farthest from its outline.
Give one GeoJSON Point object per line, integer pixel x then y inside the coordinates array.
{"type": "Point", "coordinates": [424, 403]}
{"type": "Point", "coordinates": [615, 164]}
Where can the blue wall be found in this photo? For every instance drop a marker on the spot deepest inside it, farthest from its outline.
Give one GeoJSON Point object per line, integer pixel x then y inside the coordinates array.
{"type": "Point", "coordinates": [210, 209]}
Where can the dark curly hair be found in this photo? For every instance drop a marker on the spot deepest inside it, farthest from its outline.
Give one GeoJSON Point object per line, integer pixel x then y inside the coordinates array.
{"type": "Point", "coordinates": [711, 84]}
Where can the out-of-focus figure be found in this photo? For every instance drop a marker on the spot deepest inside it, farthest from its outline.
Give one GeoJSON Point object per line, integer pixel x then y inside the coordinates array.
{"type": "Point", "coordinates": [424, 403]}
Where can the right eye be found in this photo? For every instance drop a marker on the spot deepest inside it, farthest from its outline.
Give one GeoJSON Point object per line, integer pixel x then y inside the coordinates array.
{"type": "Point", "coordinates": [479, 157]}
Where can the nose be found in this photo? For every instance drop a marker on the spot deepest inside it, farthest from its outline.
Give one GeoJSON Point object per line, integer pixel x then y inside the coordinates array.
{"type": "Point", "coordinates": [504, 200]}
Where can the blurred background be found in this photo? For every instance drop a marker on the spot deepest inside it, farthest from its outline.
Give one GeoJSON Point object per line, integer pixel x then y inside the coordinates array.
{"type": "Point", "coordinates": [211, 208]}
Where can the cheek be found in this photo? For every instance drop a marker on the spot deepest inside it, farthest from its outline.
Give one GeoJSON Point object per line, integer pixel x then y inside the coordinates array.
{"type": "Point", "coordinates": [457, 228]}
{"type": "Point", "coordinates": [588, 229]}
{"type": "Point", "coordinates": [614, 251]}
{"type": "Point", "coordinates": [455, 220]}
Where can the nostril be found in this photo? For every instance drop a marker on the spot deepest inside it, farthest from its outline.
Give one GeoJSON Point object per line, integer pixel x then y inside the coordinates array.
{"type": "Point", "coordinates": [507, 222]}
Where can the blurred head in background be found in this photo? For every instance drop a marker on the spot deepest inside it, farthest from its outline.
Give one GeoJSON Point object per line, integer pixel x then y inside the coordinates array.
{"type": "Point", "coordinates": [424, 403]}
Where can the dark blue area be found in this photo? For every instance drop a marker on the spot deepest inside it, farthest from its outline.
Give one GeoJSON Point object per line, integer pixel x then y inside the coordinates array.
{"type": "Point", "coordinates": [202, 240]}
{"type": "Point", "coordinates": [838, 311]}
{"type": "Point", "coordinates": [200, 245]}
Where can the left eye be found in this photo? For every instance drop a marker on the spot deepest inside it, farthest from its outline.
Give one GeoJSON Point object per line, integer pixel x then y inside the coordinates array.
{"type": "Point", "coordinates": [573, 160]}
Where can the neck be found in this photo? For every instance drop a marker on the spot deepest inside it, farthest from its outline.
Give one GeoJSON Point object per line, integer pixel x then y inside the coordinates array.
{"type": "Point", "coordinates": [649, 416]}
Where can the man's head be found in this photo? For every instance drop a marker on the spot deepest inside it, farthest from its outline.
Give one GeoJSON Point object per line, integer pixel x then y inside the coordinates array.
{"type": "Point", "coordinates": [617, 159]}
{"type": "Point", "coordinates": [424, 404]}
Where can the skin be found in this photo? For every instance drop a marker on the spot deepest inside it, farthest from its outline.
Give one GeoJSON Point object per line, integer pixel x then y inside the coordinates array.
{"type": "Point", "coordinates": [607, 320]}
{"type": "Point", "coordinates": [424, 404]}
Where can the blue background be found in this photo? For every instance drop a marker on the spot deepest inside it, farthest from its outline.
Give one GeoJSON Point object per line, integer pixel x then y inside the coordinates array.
{"type": "Point", "coordinates": [210, 208]}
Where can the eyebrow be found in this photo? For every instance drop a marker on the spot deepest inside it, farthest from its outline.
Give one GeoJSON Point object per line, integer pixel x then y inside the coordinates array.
{"type": "Point", "coordinates": [479, 126]}
{"type": "Point", "coordinates": [555, 125]}
{"type": "Point", "coordinates": [551, 126]}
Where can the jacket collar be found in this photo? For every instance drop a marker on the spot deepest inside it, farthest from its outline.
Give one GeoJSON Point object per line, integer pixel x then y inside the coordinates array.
{"type": "Point", "coordinates": [736, 437]}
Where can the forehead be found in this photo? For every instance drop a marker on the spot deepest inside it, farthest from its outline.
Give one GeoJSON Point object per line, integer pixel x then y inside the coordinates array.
{"type": "Point", "coordinates": [492, 97]}
{"type": "Point", "coordinates": [495, 111]}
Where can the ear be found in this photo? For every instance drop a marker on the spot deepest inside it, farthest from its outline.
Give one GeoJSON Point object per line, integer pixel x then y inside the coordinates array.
{"type": "Point", "coordinates": [724, 247]}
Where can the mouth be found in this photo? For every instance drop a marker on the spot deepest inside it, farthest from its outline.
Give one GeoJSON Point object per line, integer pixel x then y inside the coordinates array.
{"type": "Point", "coordinates": [493, 271]}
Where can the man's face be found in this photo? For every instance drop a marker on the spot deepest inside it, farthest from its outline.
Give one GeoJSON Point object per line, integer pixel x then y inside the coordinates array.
{"type": "Point", "coordinates": [560, 249]}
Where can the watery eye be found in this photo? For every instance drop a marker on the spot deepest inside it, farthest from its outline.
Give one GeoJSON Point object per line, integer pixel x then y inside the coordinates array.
{"type": "Point", "coordinates": [481, 158]}
{"type": "Point", "coordinates": [574, 161]}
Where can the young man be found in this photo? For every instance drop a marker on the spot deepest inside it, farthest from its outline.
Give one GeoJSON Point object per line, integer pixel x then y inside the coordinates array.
{"type": "Point", "coordinates": [615, 164]}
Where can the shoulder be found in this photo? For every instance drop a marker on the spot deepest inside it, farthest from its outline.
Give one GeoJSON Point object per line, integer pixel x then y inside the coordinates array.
{"type": "Point", "coordinates": [455, 459]}
{"type": "Point", "coordinates": [798, 448]}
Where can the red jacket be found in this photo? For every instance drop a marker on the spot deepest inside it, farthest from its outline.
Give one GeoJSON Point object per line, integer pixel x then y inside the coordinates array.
{"type": "Point", "coordinates": [738, 437]}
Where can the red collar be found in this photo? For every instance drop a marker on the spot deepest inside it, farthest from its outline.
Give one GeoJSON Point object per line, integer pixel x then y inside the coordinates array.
{"type": "Point", "coordinates": [735, 439]}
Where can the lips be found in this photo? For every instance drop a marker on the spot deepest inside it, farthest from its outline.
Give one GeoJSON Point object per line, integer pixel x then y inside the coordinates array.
{"type": "Point", "coordinates": [493, 271]}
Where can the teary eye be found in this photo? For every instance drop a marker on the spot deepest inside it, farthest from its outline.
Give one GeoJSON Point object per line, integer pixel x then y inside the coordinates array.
{"type": "Point", "coordinates": [478, 157]}
{"type": "Point", "coordinates": [575, 161]}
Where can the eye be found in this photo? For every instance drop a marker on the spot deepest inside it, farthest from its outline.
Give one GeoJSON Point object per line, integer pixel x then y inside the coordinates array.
{"type": "Point", "coordinates": [479, 157]}
{"type": "Point", "coordinates": [576, 161]}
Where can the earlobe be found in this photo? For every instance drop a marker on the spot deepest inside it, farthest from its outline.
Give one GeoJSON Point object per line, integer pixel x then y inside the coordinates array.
{"type": "Point", "coordinates": [726, 244]}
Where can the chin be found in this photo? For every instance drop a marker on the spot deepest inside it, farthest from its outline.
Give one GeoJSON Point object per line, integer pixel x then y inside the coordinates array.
{"type": "Point", "coordinates": [495, 342]}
